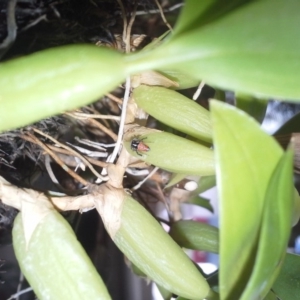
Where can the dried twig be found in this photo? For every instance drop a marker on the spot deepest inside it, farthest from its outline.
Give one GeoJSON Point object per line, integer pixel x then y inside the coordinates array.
{"type": "Point", "coordinates": [114, 98]}
{"type": "Point", "coordinates": [11, 27]}
{"type": "Point", "coordinates": [137, 186]}
{"type": "Point", "coordinates": [75, 153]}
{"type": "Point", "coordinates": [58, 160]}
{"type": "Point", "coordinates": [128, 29]}
{"type": "Point", "coordinates": [157, 11]}
{"type": "Point", "coordinates": [198, 91]}
{"type": "Point", "coordinates": [122, 122]}
{"type": "Point", "coordinates": [50, 171]}
{"type": "Point", "coordinates": [163, 15]}
{"type": "Point", "coordinates": [95, 145]}
{"type": "Point", "coordinates": [124, 19]}
{"type": "Point", "coordinates": [93, 161]}
{"type": "Point", "coordinates": [96, 124]}
{"type": "Point", "coordinates": [19, 293]}
{"type": "Point", "coordinates": [83, 116]}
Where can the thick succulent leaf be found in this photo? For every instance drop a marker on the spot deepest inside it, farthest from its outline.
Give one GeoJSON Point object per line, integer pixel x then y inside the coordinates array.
{"type": "Point", "coordinates": [195, 235]}
{"type": "Point", "coordinates": [287, 285]}
{"type": "Point", "coordinates": [175, 110]}
{"type": "Point", "coordinates": [54, 262]}
{"type": "Point", "coordinates": [245, 160]}
{"type": "Point", "coordinates": [275, 230]}
{"type": "Point", "coordinates": [172, 153]}
{"type": "Point", "coordinates": [151, 249]}
{"type": "Point", "coordinates": [55, 80]}
{"type": "Point", "coordinates": [253, 49]}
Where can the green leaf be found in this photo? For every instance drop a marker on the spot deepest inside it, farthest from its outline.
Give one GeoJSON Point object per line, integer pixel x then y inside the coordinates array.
{"type": "Point", "coordinates": [175, 110]}
{"type": "Point", "coordinates": [151, 249]}
{"type": "Point", "coordinates": [245, 160]}
{"type": "Point", "coordinates": [255, 107]}
{"type": "Point", "coordinates": [171, 152]}
{"type": "Point", "coordinates": [271, 296]}
{"type": "Point", "coordinates": [292, 125]}
{"type": "Point", "coordinates": [185, 81]}
{"type": "Point", "coordinates": [255, 49]}
{"type": "Point", "coordinates": [166, 295]}
{"type": "Point", "coordinates": [200, 13]}
{"type": "Point", "coordinates": [55, 80]}
{"type": "Point", "coordinates": [195, 235]}
{"type": "Point", "coordinates": [287, 285]}
{"type": "Point", "coordinates": [202, 202]}
{"type": "Point", "coordinates": [175, 178]}
{"type": "Point", "coordinates": [275, 230]}
{"type": "Point", "coordinates": [54, 263]}
{"type": "Point", "coordinates": [191, 12]}
{"type": "Point", "coordinates": [205, 183]}
{"type": "Point", "coordinates": [296, 210]}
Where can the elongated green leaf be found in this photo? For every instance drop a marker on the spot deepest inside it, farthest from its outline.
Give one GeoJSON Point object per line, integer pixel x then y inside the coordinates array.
{"type": "Point", "coordinates": [205, 183]}
{"type": "Point", "coordinates": [296, 210]}
{"type": "Point", "coordinates": [55, 80]}
{"type": "Point", "coordinates": [287, 285]}
{"type": "Point", "coordinates": [254, 49]}
{"type": "Point", "coordinates": [202, 202]}
{"type": "Point", "coordinates": [275, 230]}
{"type": "Point", "coordinates": [245, 160]}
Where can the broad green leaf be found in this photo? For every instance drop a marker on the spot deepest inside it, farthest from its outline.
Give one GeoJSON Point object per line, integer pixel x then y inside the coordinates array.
{"type": "Point", "coordinates": [254, 50]}
{"type": "Point", "coordinates": [245, 160]}
{"type": "Point", "coordinates": [287, 285]}
{"type": "Point", "coordinates": [256, 108]}
{"type": "Point", "coordinates": [185, 81]}
{"type": "Point", "coordinates": [192, 11]}
{"type": "Point", "coordinates": [275, 230]}
{"type": "Point", "coordinates": [199, 13]}
{"type": "Point", "coordinates": [292, 125]}
{"type": "Point", "coordinates": [220, 95]}
{"type": "Point", "coordinates": [55, 80]}
{"type": "Point", "coordinates": [271, 296]}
